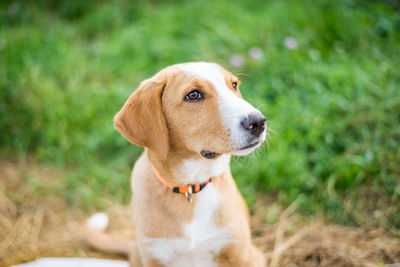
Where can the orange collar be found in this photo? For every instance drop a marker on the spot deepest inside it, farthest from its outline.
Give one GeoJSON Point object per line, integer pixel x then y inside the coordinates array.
{"type": "Point", "coordinates": [187, 189]}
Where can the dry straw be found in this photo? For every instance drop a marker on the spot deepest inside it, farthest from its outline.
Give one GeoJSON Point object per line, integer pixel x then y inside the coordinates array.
{"type": "Point", "coordinates": [34, 226]}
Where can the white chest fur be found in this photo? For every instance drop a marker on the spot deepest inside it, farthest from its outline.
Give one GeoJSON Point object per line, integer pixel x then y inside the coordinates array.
{"type": "Point", "coordinates": [194, 171]}
{"type": "Point", "coordinates": [203, 241]}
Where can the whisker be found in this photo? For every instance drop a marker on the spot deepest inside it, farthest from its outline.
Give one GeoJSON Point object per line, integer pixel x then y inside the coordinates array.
{"type": "Point", "coordinates": [269, 131]}
{"type": "Point", "coordinates": [238, 72]}
{"type": "Point", "coordinates": [266, 142]}
{"type": "Point", "coordinates": [261, 105]}
{"type": "Point", "coordinates": [241, 74]}
{"type": "Point", "coordinates": [239, 161]}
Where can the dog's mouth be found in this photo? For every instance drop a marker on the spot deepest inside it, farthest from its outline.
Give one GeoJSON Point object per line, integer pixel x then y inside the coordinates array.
{"type": "Point", "coordinates": [249, 146]}
{"type": "Point", "coordinates": [209, 154]}
{"type": "Point", "coordinates": [245, 150]}
{"type": "Point", "coordinates": [212, 155]}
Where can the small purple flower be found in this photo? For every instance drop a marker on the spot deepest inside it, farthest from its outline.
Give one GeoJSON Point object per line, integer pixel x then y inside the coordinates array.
{"type": "Point", "coordinates": [290, 43]}
{"type": "Point", "coordinates": [13, 8]}
{"type": "Point", "coordinates": [256, 53]}
{"type": "Point", "coordinates": [237, 60]}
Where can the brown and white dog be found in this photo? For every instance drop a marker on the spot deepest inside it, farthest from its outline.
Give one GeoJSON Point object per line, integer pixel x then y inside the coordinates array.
{"type": "Point", "coordinates": [190, 118]}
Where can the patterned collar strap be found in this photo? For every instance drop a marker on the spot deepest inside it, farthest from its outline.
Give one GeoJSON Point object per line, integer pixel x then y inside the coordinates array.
{"type": "Point", "coordinates": [187, 189]}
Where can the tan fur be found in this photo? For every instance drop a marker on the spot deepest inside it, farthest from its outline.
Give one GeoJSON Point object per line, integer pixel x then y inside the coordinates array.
{"type": "Point", "coordinates": [133, 119]}
{"type": "Point", "coordinates": [99, 240]}
{"type": "Point", "coordinates": [186, 133]}
{"type": "Point", "coordinates": [174, 130]}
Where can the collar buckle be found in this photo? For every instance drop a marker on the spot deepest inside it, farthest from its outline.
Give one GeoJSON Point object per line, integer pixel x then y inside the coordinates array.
{"type": "Point", "coordinates": [188, 195]}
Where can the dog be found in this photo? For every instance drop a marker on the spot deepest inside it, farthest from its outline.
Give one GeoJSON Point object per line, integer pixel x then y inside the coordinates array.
{"type": "Point", "coordinates": [190, 118]}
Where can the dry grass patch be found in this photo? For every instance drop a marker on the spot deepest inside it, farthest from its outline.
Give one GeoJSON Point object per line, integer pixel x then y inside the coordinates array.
{"type": "Point", "coordinates": [35, 224]}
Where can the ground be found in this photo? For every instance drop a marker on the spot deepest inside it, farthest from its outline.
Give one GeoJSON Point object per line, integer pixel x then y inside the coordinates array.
{"type": "Point", "coordinates": [38, 223]}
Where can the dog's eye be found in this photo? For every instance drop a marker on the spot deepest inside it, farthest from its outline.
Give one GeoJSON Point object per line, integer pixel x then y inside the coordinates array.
{"type": "Point", "coordinates": [235, 85]}
{"type": "Point", "coordinates": [194, 95]}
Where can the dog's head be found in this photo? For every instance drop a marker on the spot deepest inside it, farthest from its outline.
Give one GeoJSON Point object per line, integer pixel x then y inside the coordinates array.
{"type": "Point", "coordinates": [195, 107]}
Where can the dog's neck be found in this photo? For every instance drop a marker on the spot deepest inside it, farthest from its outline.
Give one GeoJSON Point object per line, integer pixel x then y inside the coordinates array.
{"type": "Point", "coordinates": [181, 168]}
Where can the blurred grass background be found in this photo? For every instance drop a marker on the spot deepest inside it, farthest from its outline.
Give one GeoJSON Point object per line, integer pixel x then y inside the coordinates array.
{"type": "Point", "coordinates": [332, 99]}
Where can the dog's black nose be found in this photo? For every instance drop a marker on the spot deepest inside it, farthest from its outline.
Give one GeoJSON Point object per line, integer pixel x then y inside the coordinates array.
{"type": "Point", "coordinates": [254, 124]}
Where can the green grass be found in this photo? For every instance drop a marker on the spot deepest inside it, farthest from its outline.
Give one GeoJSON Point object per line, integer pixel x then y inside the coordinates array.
{"type": "Point", "coordinates": [333, 103]}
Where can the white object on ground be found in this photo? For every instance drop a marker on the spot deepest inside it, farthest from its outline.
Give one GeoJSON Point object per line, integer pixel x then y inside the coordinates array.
{"type": "Point", "coordinates": [98, 220]}
{"type": "Point", "coordinates": [74, 262]}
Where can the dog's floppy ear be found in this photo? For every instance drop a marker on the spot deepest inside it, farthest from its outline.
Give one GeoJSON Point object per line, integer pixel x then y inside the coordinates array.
{"type": "Point", "coordinates": [141, 119]}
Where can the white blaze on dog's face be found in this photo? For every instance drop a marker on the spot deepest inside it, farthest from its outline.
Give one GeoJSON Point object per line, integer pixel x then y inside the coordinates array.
{"type": "Point", "coordinates": [204, 111]}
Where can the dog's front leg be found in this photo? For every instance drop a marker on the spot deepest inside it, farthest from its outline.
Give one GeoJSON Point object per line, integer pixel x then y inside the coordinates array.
{"type": "Point", "coordinates": [134, 257]}
{"type": "Point", "coordinates": [139, 257]}
{"type": "Point", "coordinates": [150, 262]}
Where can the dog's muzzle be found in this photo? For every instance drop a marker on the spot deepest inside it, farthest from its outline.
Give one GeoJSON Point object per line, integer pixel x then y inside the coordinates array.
{"type": "Point", "coordinates": [254, 124]}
